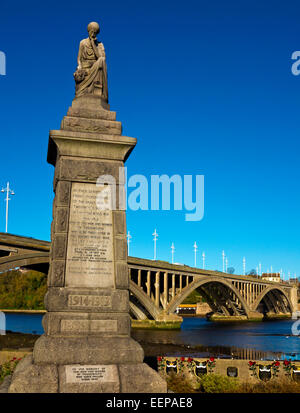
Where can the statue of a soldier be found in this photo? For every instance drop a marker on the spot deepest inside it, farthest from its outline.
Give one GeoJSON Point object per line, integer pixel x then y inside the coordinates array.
{"type": "Point", "coordinates": [91, 74]}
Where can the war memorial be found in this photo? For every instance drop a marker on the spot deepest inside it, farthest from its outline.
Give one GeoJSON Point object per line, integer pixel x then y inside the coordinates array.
{"type": "Point", "coordinates": [102, 305]}
{"type": "Point", "coordinates": [87, 346]}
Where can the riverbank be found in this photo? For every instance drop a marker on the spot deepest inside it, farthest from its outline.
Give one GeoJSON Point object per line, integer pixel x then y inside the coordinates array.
{"type": "Point", "coordinates": [265, 340]}
{"type": "Point", "coordinates": [10, 311]}
{"type": "Point", "coordinates": [155, 325]}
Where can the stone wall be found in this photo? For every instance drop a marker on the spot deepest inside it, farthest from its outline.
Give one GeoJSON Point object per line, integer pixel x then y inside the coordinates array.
{"type": "Point", "coordinates": [194, 368]}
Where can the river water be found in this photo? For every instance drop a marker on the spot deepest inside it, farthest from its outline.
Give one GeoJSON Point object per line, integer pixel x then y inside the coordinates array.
{"type": "Point", "coordinates": [199, 337]}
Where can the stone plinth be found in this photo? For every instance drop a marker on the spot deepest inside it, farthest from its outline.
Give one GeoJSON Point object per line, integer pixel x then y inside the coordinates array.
{"type": "Point", "coordinates": [87, 345]}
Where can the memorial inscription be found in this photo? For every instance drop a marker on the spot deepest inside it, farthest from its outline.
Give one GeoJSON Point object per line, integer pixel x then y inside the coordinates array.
{"type": "Point", "coordinates": [91, 374]}
{"type": "Point", "coordinates": [88, 326]}
{"type": "Point", "coordinates": [90, 240]}
{"type": "Point", "coordinates": [93, 301]}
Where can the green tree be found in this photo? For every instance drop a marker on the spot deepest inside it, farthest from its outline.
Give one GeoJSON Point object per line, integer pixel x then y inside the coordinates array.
{"type": "Point", "coordinates": [22, 290]}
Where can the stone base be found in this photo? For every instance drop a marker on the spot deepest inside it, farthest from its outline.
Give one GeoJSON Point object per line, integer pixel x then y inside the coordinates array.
{"type": "Point", "coordinates": [63, 350]}
{"type": "Point", "coordinates": [255, 316]}
{"type": "Point", "coordinates": [169, 317]}
{"type": "Point", "coordinates": [123, 378]}
{"type": "Point", "coordinates": [278, 316]}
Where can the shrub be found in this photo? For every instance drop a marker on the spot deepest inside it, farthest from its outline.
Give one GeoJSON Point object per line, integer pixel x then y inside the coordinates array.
{"type": "Point", "coordinates": [22, 290]}
{"type": "Point", "coordinates": [215, 383]}
{"type": "Point", "coordinates": [179, 384]}
{"type": "Point", "coordinates": [273, 386]}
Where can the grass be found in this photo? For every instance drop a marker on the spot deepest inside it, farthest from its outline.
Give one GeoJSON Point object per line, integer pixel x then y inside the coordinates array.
{"type": "Point", "coordinates": [214, 383]}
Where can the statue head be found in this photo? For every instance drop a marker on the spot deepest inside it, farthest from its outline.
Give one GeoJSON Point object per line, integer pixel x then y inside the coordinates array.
{"type": "Point", "coordinates": [93, 29]}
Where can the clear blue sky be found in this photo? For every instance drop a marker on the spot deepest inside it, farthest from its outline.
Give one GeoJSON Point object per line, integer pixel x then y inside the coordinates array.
{"type": "Point", "coordinates": [205, 86]}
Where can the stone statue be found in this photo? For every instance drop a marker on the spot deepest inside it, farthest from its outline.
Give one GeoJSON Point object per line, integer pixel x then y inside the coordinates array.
{"type": "Point", "coordinates": [91, 74]}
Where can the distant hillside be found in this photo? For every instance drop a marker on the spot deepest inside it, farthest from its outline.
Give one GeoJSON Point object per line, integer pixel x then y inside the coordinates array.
{"type": "Point", "coordinates": [22, 290]}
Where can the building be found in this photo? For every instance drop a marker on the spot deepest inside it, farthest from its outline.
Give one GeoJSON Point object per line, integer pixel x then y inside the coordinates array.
{"type": "Point", "coordinates": [274, 276]}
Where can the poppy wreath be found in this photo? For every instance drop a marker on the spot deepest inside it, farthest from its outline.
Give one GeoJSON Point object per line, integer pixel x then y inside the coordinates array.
{"type": "Point", "coordinates": [180, 363]}
{"type": "Point", "coordinates": [8, 368]}
{"type": "Point", "coordinates": [190, 364]}
{"type": "Point", "coordinates": [253, 368]}
{"type": "Point", "coordinates": [211, 364]}
{"type": "Point", "coordinates": [275, 368]}
{"type": "Point", "coordinates": [287, 367]}
{"type": "Point", "coordinates": [161, 362]}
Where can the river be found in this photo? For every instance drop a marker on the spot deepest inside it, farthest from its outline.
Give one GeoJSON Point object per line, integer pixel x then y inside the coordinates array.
{"type": "Point", "coordinates": [199, 337]}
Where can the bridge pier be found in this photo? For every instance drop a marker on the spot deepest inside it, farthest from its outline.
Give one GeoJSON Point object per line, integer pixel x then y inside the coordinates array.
{"type": "Point", "coordinates": [169, 318]}
{"type": "Point", "coordinates": [255, 316]}
{"type": "Point", "coordinates": [294, 299]}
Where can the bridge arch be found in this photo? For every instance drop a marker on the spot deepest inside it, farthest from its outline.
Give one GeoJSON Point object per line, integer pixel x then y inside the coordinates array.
{"type": "Point", "coordinates": [273, 289]}
{"type": "Point", "coordinates": [34, 260]}
{"type": "Point", "coordinates": [144, 299]}
{"type": "Point", "coordinates": [179, 298]}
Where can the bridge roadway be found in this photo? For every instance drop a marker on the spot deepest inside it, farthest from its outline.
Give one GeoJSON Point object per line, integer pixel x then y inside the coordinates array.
{"type": "Point", "coordinates": [157, 288]}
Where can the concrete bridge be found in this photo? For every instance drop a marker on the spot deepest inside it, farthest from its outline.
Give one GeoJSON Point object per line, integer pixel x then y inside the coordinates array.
{"type": "Point", "coordinates": [157, 288]}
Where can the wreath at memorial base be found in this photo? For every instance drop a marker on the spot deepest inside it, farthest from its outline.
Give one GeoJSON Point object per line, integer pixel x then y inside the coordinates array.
{"type": "Point", "coordinates": [275, 368]}
{"type": "Point", "coordinates": [190, 364]}
{"type": "Point", "coordinates": [161, 363]}
{"type": "Point", "coordinates": [253, 368]}
{"type": "Point", "coordinates": [211, 364]}
{"type": "Point", "coordinates": [288, 367]}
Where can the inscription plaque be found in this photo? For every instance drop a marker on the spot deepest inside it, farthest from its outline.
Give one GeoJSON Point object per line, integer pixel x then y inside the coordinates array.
{"type": "Point", "coordinates": [91, 374]}
{"type": "Point", "coordinates": [90, 260]}
{"type": "Point", "coordinates": [92, 301]}
{"type": "Point", "coordinates": [88, 326]}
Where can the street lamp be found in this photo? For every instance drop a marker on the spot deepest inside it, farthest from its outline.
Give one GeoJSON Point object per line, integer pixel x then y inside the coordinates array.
{"type": "Point", "coordinates": [8, 192]}
{"type": "Point", "coordinates": [155, 236]}
{"type": "Point", "coordinates": [128, 241]}
{"type": "Point", "coordinates": [195, 254]}
{"type": "Point", "coordinates": [203, 259]}
{"type": "Point", "coordinates": [223, 256]}
{"type": "Point", "coordinates": [172, 251]}
{"type": "Point", "coordinates": [244, 266]}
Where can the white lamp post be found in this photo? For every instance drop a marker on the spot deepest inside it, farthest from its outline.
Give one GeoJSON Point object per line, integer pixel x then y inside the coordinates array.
{"type": "Point", "coordinates": [223, 256]}
{"type": "Point", "coordinates": [172, 252]}
{"type": "Point", "coordinates": [203, 259]}
{"type": "Point", "coordinates": [128, 241]}
{"type": "Point", "coordinates": [155, 236]}
{"type": "Point", "coordinates": [195, 254]}
{"type": "Point", "coordinates": [8, 192]}
{"type": "Point", "coordinates": [244, 266]}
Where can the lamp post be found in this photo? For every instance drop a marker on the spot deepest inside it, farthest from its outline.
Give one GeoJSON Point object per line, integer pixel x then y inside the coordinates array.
{"type": "Point", "coordinates": [172, 252]}
{"type": "Point", "coordinates": [226, 264]}
{"type": "Point", "coordinates": [244, 266]}
{"type": "Point", "coordinates": [8, 192]}
{"type": "Point", "coordinates": [259, 266]}
{"type": "Point", "coordinates": [203, 259]}
{"type": "Point", "coordinates": [155, 236]}
{"type": "Point", "coordinates": [223, 256]}
{"type": "Point", "coordinates": [195, 254]}
{"type": "Point", "coordinates": [128, 241]}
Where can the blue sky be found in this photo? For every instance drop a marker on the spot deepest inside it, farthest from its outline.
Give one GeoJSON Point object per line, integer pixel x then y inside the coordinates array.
{"type": "Point", "coordinates": [205, 86]}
